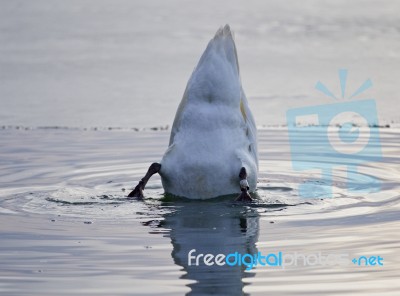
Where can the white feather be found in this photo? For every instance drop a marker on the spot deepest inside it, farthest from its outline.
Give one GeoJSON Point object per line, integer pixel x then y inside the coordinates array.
{"type": "Point", "coordinates": [214, 133]}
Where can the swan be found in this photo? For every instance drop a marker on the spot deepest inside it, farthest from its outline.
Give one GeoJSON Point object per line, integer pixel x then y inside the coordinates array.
{"type": "Point", "coordinates": [212, 149]}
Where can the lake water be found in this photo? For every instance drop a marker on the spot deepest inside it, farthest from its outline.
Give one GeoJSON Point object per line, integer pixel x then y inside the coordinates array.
{"type": "Point", "coordinates": [83, 82]}
{"type": "Point", "coordinates": [126, 63]}
{"type": "Point", "coordinates": [68, 228]}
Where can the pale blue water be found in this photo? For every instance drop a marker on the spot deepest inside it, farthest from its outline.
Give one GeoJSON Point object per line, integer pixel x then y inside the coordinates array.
{"type": "Point", "coordinates": [126, 63]}
{"type": "Point", "coordinates": [66, 227]}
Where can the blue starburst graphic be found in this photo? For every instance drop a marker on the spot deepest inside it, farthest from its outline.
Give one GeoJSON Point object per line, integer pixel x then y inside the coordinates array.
{"type": "Point", "coordinates": [343, 82]}
{"type": "Point", "coordinates": [342, 133]}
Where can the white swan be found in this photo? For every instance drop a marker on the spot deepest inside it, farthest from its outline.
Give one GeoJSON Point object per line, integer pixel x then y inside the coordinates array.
{"type": "Point", "coordinates": [214, 134]}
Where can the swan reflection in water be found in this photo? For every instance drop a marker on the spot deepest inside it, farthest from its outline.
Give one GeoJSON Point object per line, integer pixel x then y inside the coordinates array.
{"type": "Point", "coordinates": [211, 227]}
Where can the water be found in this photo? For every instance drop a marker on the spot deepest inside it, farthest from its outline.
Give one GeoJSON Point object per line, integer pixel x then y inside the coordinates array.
{"type": "Point", "coordinates": [126, 63]}
{"type": "Point", "coordinates": [68, 228]}
{"type": "Point", "coordinates": [79, 79]}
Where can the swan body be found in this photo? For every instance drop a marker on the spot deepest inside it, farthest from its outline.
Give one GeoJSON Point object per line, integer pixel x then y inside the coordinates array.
{"type": "Point", "coordinates": [214, 134]}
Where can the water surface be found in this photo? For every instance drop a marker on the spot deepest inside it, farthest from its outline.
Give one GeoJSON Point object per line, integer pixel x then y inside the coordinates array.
{"type": "Point", "coordinates": [68, 228]}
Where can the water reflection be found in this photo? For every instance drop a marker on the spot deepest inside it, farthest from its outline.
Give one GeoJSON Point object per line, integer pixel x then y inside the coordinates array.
{"type": "Point", "coordinates": [212, 227]}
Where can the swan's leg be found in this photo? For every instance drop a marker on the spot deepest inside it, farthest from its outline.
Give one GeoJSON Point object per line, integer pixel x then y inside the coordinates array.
{"type": "Point", "coordinates": [138, 191]}
{"type": "Point", "coordinates": [244, 186]}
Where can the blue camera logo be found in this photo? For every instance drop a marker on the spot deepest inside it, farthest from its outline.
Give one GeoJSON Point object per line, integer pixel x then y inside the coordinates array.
{"type": "Point", "coordinates": [341, 134]}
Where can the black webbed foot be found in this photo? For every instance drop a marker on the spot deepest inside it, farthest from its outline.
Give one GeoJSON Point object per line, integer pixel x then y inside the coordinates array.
{"type": "Point", "coordinates": [244, 196]}
{"type": "Point", "coordinates": [244, 186]}
{"type": "Point", "coordinates": [138, 191]}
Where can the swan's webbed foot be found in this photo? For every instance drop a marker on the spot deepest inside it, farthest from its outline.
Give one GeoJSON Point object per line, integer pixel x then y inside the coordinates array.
{"type": "Point", "coordinates": [244, 196]}
{"type": "Point", "coordinates": [244, 186]}
{"type": "Point", "coordinates": [138, 191]}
